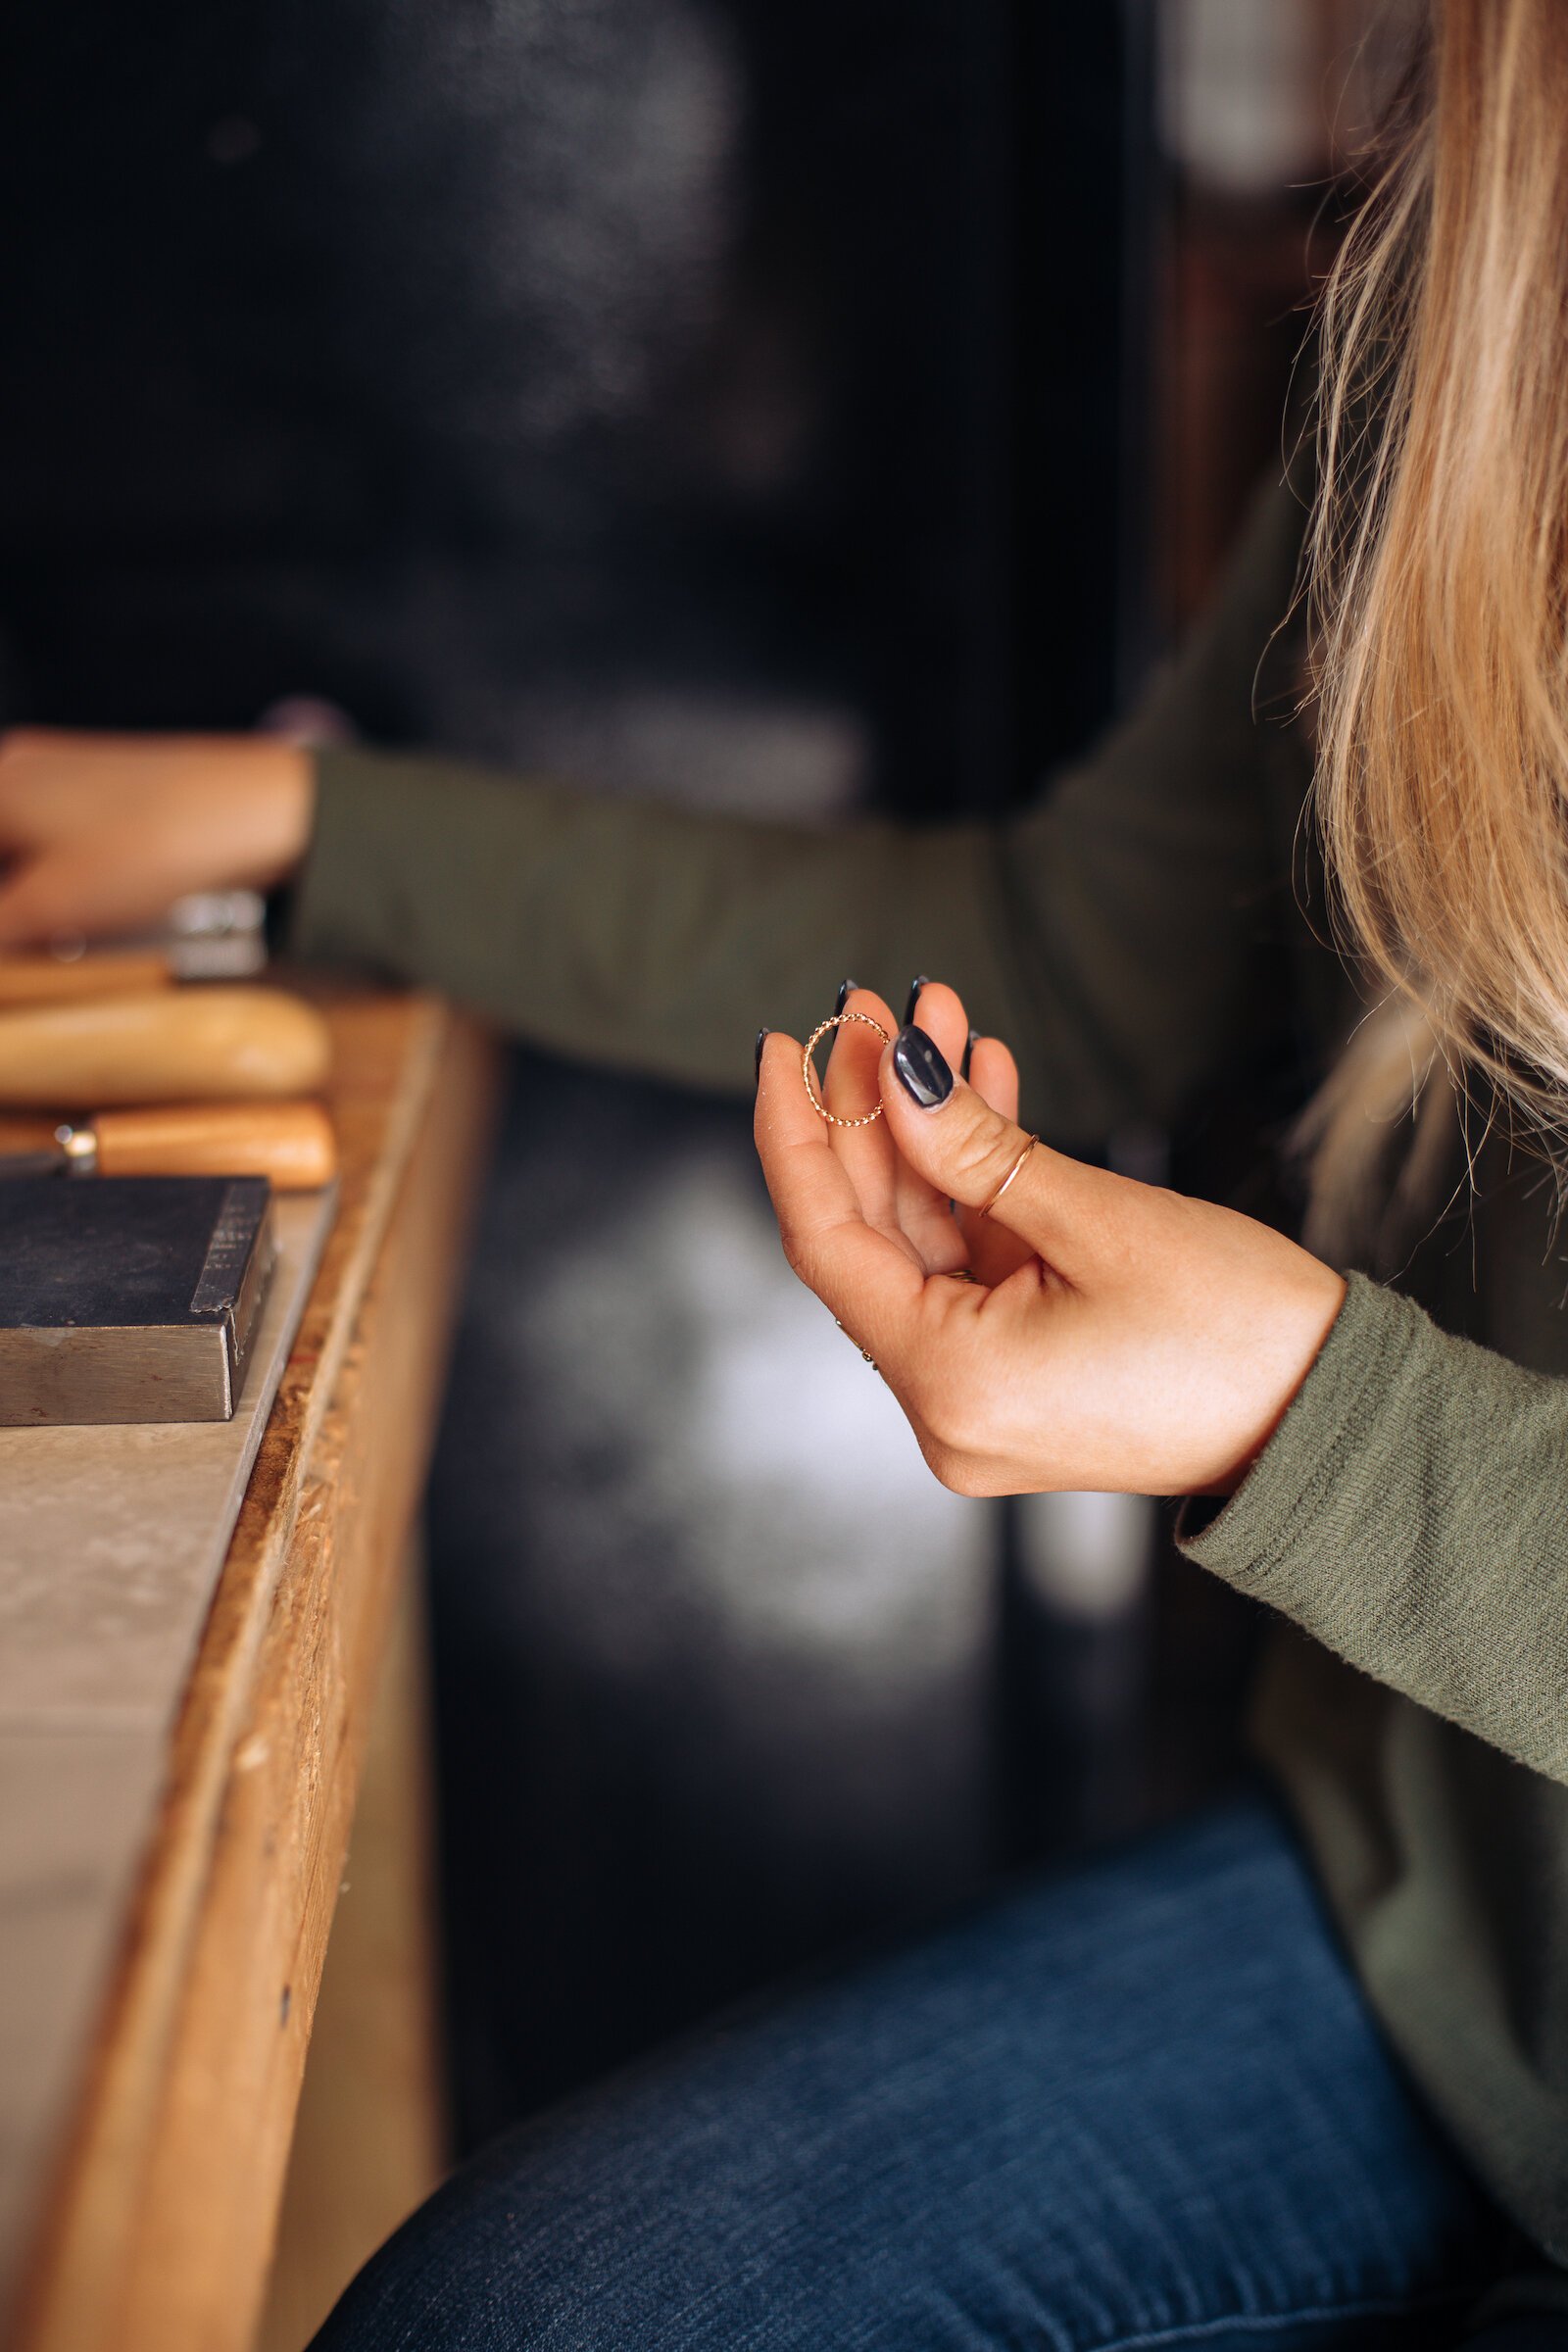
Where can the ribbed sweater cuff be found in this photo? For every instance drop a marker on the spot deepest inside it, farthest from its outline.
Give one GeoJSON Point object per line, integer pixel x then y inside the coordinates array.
{"type": "Point", "coordinates": [1280, 1534]}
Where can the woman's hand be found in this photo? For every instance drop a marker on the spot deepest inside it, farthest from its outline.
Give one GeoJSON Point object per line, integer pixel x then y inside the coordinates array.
{"type": "Point", "coordinates": [104, 832]}
{"type": "Point", "coordinates": [1117, 1336]}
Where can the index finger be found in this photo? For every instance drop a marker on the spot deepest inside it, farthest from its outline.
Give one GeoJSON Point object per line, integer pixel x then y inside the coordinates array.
{"type": "Point", "coordinates": [865, 1277]}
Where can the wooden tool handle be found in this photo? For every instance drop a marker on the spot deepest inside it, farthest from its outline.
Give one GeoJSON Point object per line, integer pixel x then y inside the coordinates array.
{"type": "Point", "coordinates": [176, 1045]}
{"type": "Point", "coordinates": [26, 1131]}
{"type": "Point", "coordinates": [292, 1143]}
{"type": "Point", "coordinates": [52, 980]}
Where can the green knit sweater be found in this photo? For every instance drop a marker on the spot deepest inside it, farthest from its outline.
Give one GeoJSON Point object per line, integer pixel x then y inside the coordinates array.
{"type": "Point", "coordinates": [1135, 935]}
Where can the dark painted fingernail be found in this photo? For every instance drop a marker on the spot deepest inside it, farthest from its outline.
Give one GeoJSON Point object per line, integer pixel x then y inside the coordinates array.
{"type": "Point", "coordinates": [762, 1040]}
{"type": "Point", "coordinates": [922, 1072]}
{"type": "Point", "coordinates": [839, 1003]}
{"type": "Point", "coordinates": [920, 980]}
{"type": "Point", "coordinates": [969, 1045]}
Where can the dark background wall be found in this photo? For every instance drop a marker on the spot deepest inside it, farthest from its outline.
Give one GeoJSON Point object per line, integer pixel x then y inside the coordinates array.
{"type": "Point", "coordinates": [455, 362]}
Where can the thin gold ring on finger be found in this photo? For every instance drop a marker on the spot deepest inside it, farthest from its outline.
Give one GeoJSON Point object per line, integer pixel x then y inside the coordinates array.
{"type": "Point", "coordinates": [836, 1020]}
{"type": "Point", "coordinates": [1011, 1173]}
{"type": "Point", "coordinates": [855, 1343]}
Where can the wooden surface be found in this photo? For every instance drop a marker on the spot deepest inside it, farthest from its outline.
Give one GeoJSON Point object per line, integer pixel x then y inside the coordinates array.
{"type": "Point", "coordinates": [163, 2215]}
{"type": "Point", "coordinates": [370, 2140]}
{"type": "Point", "coordinates": [112, 1542]}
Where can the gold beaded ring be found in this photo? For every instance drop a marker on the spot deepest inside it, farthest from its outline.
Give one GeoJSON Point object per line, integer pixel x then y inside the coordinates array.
{"type": "Point", "coordinates": [836, 1020]}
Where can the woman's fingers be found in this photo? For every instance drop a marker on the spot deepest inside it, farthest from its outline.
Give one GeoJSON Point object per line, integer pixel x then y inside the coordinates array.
{"type": "Point", "coordinates": [994, 1075]}
{"type": "Point", "coordinates": [892, 1195]}
{"type": "Point", "coordinates": [103, 833]}
{"type": "Point", "coordinates": [947, 1131]}
{"type": "Point", "coordinates": [850, 1090]}
{"type": "Point", "coordinates": [994, 1251]}
{"type": "Point", "coordinates": [924, 1213]}
{"type": "Point", "coordinates": [865, 1276]}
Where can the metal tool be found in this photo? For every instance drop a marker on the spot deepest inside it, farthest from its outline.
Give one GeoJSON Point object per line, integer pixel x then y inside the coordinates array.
{"type": "Point", "coordinates": [214, 935]}
{"type": "Point", "coordinates": [136, 1301]}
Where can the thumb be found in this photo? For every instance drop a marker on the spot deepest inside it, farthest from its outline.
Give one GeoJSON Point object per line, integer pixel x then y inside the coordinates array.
{"type": "Point", "coordinates": [949, 1135]}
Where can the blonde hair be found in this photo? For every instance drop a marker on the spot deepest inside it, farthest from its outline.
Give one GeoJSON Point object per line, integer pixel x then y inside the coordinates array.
{"type": "Point", "coordinates": [1439, 565]}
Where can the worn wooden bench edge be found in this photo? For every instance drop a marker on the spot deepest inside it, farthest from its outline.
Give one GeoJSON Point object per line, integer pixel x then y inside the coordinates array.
{"type": "Point", "coordinates": [179, 2036]}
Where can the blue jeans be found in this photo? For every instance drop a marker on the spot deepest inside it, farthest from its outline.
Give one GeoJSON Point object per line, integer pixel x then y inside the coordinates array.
{"type": "Point", "coordinates": [1138, 2104]}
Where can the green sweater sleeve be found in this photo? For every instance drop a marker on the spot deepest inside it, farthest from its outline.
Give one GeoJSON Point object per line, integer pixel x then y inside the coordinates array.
{"type": "Point", "coordinates": [1110, 932]}
{"type": "Point", "coordinates": [1408, 1514]}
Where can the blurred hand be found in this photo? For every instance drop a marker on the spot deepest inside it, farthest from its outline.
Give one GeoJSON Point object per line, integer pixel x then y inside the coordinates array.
{"type": "Point", "coordinates": [104, 832]}
{"type": "Point", "coordinates": [1118, 1336]}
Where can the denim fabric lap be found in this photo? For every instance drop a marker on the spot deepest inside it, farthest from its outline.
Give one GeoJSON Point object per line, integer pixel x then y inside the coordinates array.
{"type": "Point", "coordinates": [1138, 2104]}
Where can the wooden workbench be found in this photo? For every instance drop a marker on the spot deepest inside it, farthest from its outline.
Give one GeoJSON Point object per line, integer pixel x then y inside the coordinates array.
{"type": "Point", "coordinates": [156, 2228]}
